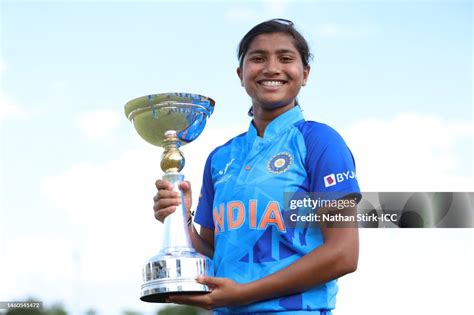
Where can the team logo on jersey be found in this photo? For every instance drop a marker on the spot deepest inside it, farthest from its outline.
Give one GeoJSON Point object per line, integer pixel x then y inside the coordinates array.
{"type": "Point", "coordinates": [280, 163]}
{"type": "Point", "coordinates": [222, 176]}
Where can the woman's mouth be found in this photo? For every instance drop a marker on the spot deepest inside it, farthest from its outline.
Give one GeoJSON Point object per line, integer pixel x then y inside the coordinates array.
{"type": "Point", "coordinates": [271, 83]}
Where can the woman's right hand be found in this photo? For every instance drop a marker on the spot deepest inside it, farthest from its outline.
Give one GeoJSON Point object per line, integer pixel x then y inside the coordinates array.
{"type": "Point", "coordinates": [166, 199]}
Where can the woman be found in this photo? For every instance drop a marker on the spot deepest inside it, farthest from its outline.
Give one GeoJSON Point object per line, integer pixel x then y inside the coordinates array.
{"type": "Point", "coordinates": [262, 263]}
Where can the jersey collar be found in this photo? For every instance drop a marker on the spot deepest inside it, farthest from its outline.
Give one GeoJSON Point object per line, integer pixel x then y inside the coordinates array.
{"type": "Point", "coordinates": [277, 125]}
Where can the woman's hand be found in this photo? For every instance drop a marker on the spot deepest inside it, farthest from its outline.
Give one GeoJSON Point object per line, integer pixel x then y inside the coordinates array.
{"type": "Point", "coordinates": [166, 199]}
{"type": "Point", "coordinates": [224, 292]}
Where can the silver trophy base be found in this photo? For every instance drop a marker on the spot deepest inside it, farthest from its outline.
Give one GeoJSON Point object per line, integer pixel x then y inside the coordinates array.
{"type": "Point", "coordinates": [174, 274]}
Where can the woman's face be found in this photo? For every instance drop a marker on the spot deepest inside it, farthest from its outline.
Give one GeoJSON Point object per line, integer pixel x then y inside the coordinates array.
{"type": "Point", "coordinates": [272, 71]}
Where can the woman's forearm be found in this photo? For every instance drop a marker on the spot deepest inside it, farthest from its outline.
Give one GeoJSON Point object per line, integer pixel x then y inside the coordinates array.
{"type": "Point", "coordinates": [332, 260]}
{"type": "Point", "coordinates": [200, 244]}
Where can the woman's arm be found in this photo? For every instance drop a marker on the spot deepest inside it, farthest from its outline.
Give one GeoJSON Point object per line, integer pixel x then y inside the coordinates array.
{"type": "Point", "coordinates": [336, 257]}
{"type": "Point", "coordinates": [203, 242]}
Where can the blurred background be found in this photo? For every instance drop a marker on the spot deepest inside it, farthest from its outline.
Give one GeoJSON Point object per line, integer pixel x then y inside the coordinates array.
{"type": "Point", "coordinates": [76, 220]}
{"type": "Point", "coordinates": [57, 309]}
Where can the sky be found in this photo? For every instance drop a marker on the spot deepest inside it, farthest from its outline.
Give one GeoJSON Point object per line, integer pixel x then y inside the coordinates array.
{"type": "Point", "coordinates": [76, 181]}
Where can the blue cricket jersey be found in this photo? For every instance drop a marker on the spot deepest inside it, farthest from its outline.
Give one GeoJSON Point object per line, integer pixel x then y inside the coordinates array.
{"type": "Point", "coordinates": [242, 201]}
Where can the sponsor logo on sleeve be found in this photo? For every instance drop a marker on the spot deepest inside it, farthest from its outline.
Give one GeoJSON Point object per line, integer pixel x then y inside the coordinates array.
{"type": "Point", "coordinates": [329, 180]}
{"type": "Point", "coordinates": [336, 178]}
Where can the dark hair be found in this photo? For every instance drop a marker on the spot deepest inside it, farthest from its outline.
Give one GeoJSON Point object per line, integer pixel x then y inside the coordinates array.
{"type": "Point", "coordinates": [275, 26]}
{"type": "Point", "coordinates": [269, 27]}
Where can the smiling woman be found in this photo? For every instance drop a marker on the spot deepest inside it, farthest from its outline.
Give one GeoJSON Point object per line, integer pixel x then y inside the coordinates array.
{"type": "Point", "coordinates": [273, 73]}
{"type": "Point", "coordinates": [292, 43]}
{"type": "Point", "coordinates": [262, 264]}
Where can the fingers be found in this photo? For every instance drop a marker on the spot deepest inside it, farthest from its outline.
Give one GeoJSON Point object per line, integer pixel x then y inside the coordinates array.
{"type": "Point", "coordinates": [162, 203]}
{"type": "Point", "coordinates": [165, 200]}
{"type": "Point", "coordinates": [165, 194]}
{"type": "Point", "coordinates": [163, 184]}
{"type": "Point", "coordinates": [186, 189]}
{"type": "Point", "coordinates": [161, 214]}
{"type": "Point", "coordinates": [210, 281]}
{"type": "Point", "coordinates": [165, 206]}
{"type": "Point", "coordinates": [185, 186]}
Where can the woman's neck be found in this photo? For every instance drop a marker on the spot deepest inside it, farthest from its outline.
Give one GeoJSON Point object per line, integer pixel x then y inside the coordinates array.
{"type": "Point", "coordinates": [263, 117]}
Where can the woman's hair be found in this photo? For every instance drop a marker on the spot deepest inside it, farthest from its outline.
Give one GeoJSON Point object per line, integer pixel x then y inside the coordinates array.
{"type": "Point", "coordinates": [269, 27]}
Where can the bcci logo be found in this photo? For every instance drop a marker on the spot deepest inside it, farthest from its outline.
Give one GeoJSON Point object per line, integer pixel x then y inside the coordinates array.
{"type": "Point", "coordinates": [280, 163]}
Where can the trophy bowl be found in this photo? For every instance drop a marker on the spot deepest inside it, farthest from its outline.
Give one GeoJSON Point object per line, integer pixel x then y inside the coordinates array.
{"type": "Point", "coordinates": [170, 120]}
{"type": "Point", "coordinates": [153, 115]}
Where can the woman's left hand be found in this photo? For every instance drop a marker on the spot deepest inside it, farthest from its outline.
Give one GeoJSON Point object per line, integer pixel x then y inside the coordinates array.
{"type": "Point", "coordinates": [224, 292]}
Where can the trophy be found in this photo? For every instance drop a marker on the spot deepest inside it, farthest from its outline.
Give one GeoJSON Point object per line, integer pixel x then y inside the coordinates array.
{"type": "Point", "coordinates": [170, 120]}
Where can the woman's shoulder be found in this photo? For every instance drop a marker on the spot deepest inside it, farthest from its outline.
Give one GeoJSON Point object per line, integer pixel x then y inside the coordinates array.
{"type": "Point", "coordinates": [317, 132]}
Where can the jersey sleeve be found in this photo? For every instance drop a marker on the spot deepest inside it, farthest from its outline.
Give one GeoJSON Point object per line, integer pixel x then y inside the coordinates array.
{"type": "Point", "coordinates": [329, 162]}
{"type": "Point", "coordinates": [206, 198]}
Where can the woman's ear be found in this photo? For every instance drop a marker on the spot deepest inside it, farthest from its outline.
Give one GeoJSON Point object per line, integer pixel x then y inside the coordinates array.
{"type": "Point", "coordinates": [239, 73]}
{"type": "Point", "coordinates": [306, 71]}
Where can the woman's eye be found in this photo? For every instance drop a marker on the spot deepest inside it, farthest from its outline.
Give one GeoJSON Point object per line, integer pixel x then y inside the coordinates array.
{"type": "Point", "coordinates": [286, 59]}
{"type": "Point", "coordinates": [257, 59]}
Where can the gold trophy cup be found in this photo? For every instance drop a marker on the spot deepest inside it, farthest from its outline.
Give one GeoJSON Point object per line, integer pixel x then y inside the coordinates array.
{"type": "Point", "coordinates": [170, 120]}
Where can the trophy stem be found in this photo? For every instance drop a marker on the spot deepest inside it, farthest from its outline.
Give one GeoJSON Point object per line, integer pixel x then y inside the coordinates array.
{"type": "Point", "coordinates": [176, 234]}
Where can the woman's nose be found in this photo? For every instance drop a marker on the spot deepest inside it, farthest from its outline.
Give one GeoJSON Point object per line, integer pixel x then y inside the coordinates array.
{"type": "Point", "coordinates": [272, 66]}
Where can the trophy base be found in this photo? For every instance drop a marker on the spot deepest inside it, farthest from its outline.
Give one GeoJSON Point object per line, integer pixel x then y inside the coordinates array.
{"type": "Point", "coordinates": [161, 297]}
{"type": "Point", "coordinates": [174, 274]}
